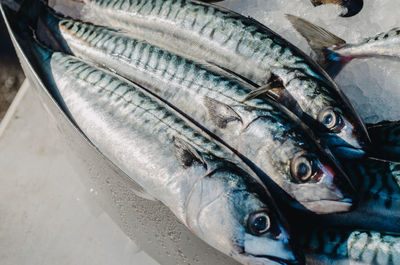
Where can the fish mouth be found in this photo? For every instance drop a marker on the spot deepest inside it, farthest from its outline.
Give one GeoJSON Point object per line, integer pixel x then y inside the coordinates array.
{"type": "Point", "coordinates": [348, 151]}
{"type": "Point", "coordinates": [342, 148]}
{"type": "Point", "coordinates": [329, 206]}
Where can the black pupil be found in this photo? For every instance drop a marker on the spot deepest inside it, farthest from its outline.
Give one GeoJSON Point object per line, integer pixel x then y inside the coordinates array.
{"type": "Point", "coordinates": [302, 170]}
{"type": "Point", "coordinates": [328, 119]}
{"type": "Point", "coordinates": [260, 223]}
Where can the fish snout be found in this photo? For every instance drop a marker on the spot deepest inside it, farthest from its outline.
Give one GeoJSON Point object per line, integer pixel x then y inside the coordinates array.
{"type": "Point", "coordinates": [345, 147]}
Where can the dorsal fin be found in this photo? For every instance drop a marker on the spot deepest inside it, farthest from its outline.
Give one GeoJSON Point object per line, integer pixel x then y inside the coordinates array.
{"type": "Point", "coordinates": [321, 42]}
{"type": "Point", "coordinates": [317, 37]}
{"type": "Point", "coordinates": [220, 113]}
{"type": "Point", "coordinates": [187, 154]}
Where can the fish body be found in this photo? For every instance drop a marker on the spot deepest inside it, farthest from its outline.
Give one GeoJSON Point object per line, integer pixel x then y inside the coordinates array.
{"type": "Point", "coordinates": [216, 36]}
{"type": "Point", "coordinates": [333, 53]}
{"type": "Point", "coordinates": [351, 247]}
{"type": "Point", "coordinates": [259, 129]}
{"type": "Point", "coordinates": [201, 181]}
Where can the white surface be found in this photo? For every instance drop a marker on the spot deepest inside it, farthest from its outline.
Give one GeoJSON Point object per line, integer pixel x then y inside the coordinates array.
{"type": "Point", "coordinates": [46, 215]}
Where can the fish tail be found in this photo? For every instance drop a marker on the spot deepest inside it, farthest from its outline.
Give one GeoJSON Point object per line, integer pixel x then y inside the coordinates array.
{"type": "Point", "coordinates": [322, 42]}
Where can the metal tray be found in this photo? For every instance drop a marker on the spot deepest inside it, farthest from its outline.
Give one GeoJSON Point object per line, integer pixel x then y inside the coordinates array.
{"type": "Point", "coordinates": [150, 224]}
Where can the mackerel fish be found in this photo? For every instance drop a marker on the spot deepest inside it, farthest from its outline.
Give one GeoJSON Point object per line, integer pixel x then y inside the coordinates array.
{"type": "Point", "coordinates": [220, 37]}
{"type": "Point", "coordinates": [258, 128]}
{"type": "Point", "coordinates": [201, 181]}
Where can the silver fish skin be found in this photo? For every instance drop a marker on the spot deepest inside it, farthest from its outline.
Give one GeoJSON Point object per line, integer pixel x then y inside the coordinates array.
{"type": "Point", "coordinates": [382, 45]}
{"type": "Point", "coordinates": [346, 247]}
{"type": "Point", "coordinates": [201, 181]}
{"type": "Point", "coordinates": [257, 128]}
{"type": "Point", "coordinates": [214, 35]}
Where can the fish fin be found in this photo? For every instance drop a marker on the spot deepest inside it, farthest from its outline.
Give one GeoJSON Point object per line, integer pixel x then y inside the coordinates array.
{"type": "Point", "coordinates": [186, 153]}
{"type": "Point", "coordinates": [321, 41]}
{"type": "Point", "coordinates": [220, 113]}
{"type": "Point", "coordinates": [260, 91]}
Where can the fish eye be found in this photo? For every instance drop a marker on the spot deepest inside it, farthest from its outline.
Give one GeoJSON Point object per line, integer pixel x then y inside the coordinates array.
{"type": "Point", "coordinates": [302, 168]}
{"type": "Point", "coordinates": [331, 119]}
{"type": "Point", "coordinates": [259, 223]}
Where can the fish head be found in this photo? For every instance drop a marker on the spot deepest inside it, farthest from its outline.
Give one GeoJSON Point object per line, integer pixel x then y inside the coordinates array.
{"type": "Point", "coordinates": [307, 173]}
{"type": "Point", "coordinates": [233, 213]}
{"type": "Point", "coordinates": [319, 184]}
{"type": "Point", "coordinates": [345, 133]}
{"type": "Point", "coordinates": [336, 121]}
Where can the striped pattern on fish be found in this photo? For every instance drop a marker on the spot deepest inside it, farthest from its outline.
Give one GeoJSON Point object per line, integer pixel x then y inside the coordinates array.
{"type": "Point", "coordinates": [259, 129]}
{"type": "Point", "coordinates": [201, 181]}
{"type": "Point", "coordinates": [354, 247]}
{"type": "Point", "coordinates": [213, 35]}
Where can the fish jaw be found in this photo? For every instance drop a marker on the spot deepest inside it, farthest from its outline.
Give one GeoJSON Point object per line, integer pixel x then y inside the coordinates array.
{"type": "Point", "coordinates": [331, 192]}
{"type": "Point", "coordinates": [325, 207]}
{"type": "Point", "coordinates": [224, 219]}
{"type": "Point", "coordinates": [342, 149]}
{"type": "Point", "coordinates": [349, 142]}
{"type": "Point", "coordinates": [283, 253]}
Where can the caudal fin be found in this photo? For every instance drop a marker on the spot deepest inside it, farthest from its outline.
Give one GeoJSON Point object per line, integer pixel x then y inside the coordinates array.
{"type": "Point", "coordinates": [321, 42]}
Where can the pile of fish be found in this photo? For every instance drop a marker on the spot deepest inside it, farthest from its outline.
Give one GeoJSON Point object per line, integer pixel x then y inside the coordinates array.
{"type": "Point", "coordinates": [247, 140]}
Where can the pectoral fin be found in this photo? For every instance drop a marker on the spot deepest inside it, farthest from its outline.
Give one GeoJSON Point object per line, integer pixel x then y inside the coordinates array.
{"type": "Point", "coordinates": [187, 154]}
{"type": "Point", "coordinates": [259, 91]}
{"type": "Point", "coordinates": [220, 113]}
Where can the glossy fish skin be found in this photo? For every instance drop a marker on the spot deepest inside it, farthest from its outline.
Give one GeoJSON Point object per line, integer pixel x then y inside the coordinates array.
{"type": "Point", "coordinates": [257, 128]}
{"type": "Point", "coordinates": [346, 247]}
{"type": "Point", "coordinates": [203, 183]}
{"type": "Point", "coordinates": [384, 44]}
{"type": "Point", "coordinates": [243, 45]}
